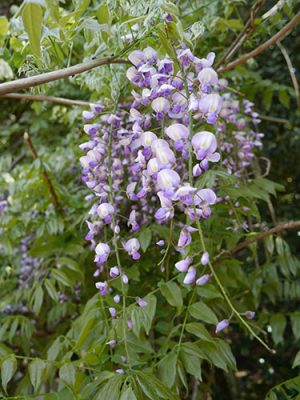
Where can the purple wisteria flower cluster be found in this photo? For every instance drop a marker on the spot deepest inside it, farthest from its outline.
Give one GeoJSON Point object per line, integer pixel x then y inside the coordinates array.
{"type": "Point", "coordinates": [141, 166]}
{"type": "Point", "coordinates": [238, 150]}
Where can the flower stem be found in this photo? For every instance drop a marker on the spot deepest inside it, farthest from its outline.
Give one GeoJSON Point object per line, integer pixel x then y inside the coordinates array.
{"type": "Point", "coordinates": [115, 242]}
{"type": "Point", "coordinates": [225, 295]}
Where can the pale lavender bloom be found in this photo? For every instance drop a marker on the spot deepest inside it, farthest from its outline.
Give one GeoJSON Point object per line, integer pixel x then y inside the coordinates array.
{"type": "Point", "coordinates": [105, 211]}
{"type": "Point", "coordinates": [185, 236]}
{"type": "Point", "coordinates": [190, 276]}
{"type": "Point", "coordinates": [132, 221]}
{"type": "Point", "coordinates": [222, 325]}
{"type": "Point", "coordinates": [91, 129]}
{"type": "Point", "coordinates": [166, 211]}
{"type": "Point", "coordinates": [88, 116]}
{"type": "Point", "coordinates": [205, 144]}
{"type": "Point", "coordinates": [147, 138]}
{"type": "Point", "coordinates": [177, 132]}
{"type": "Point", "coordinates": [185, 194]}
{"type": "Point", "coordinates": [197, 170]}
{"type": "Point", "coordinates": [96, 108]}
{"type": "Point", "coordinates": [168, 179]}
{"type": "Point", "coordinates": [137, 58]}
{"type": "Point", "coordinates": [165, 66]}
{"type": "Point", "coordinates": [205, 258]}
{"type": "Point", "coordinates": [153, 167]}
{"type": "Point", "coordinates": [114, 272]}
{"type": "Point", "coordinates": [210, 105]}
{"type": "Point", "coordinates": [124, 359]}
{"type": "Point", "coordinates": [125, 279]}
{"type": "Point", "coordinates": [165, 157]}
{"type": "Point", "coordinates": [207, 77]}
{"type": "Point", "coordinates": [111, 342]}
{"type": "Point", "coordinates": [129, 324]}
{"type": "Point", "coordinates": [150, 55]}
{"type": "Point", "coordinates": [161, 106]}
{"type": "Point", "coordinates": [142, 303]}
{"type": "Point", "coordinates": [102, 252]}
{"type": "Point", "coordinates": [117, 298]}
{"type": "Point", "coordinates": [120, 371]}
{"type": "Point", "coordinates": [132, 246]}
{"type": "Point", "coordinates": [201, 63]}
{"type": "Point", "coordinates": [203, 199]}
{"type": "Point", "coordinates": [113, 312]}
{"type": "Point", "coordinates": [183, 265]}
{"type": "Point", "coordinates": [250, 314]}
{"type": "Point", "coordinates": [203, 280]}
{"type": "Point", "coordinates": [103, 287]}
{"type": "Point", "coordinates": [160, 243]}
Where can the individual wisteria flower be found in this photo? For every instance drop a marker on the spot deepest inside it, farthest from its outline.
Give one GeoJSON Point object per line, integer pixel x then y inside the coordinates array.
{"type": "Point", "coordinates": [183, 265]}
{"type": "Point", "coordinates": [132, 246]}
{"type": "Point", "coordinates": [120, 371]}
{"type": "Point", "coordinates": [114, 272]}
{"type": "Point", "coordinates": [205, 258]}
{"type": "Point", "coordinates": [117, 298]}
{"type": "Point", "coordinates": [102, 252]}
{"type": "Point", "coordinates": [222, 325]}
{"type": "Point", "coordinates": [250, 314]}
{"type": "Point", "coordinates": [203, 280]}
{"type": "Point", "coordinates": [190, 276]}
{"type": "Point", "coordinates": [113, 312]}
{"type": "Point", "coordinates": [111, 343]}
{"type": "Point", "coordinates": [205, 144]}
{"type": "Point", "coordinates": [105, 211]}
{"type": "Point", "coordinates": [103, 287]}
{"type": "Point", "coordinates": [142, 303]}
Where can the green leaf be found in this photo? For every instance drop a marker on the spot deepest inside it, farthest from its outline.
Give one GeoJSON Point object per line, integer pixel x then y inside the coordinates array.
{"type": "Point", "coordinates": [198, 330]}
{"type": "Point", "coordinates": [191, 363]}
{"type": "Point", "coordinates": [36, 369]}
{"type": "Point", "coordinates": [296, 362]}
{"type": "Point", "coordinates": [167, 369]}
{"type": "Point", "coordinates": [128, 394]}
{"type": "Point", "coordinates": [67, 374]}
{"type": "Point", "coordinates": [172, 293]}
{"type": "Point", "coordinates": [111, 389]}
{"type": "Point", "coordinates": [202, 312]}
{"type": "Point", "coordinates": [145, 238]}
{"type": "Point", "coordinates": [3, 26]}
{"type": "Point", "coordinates": [32, 15]}
{"type": "Point", "coordinates": [284, 98]}
{"type": "Point", "coordinates": [278, 324]}
{"type": "Point", "coordinates": [295, 321]}
{"type": "Point", "coordinates": [38, 299]}
{"type": "Point", "coordinates": [8, 368]}
{"type": "Point", "coordinates": [103, 14]}
{"type": "Point", "coordinates": [49, 285]}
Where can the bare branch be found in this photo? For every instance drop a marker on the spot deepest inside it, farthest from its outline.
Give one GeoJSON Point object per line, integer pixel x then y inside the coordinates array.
{"type": "Point", "coordinates": [277, 37]}
{"type": "Point", "coordinates": [50, 99]}
{"type": "Point", "coordinates": [291, 71]}
{"type": "Point", "coordinates": [19, 84]}
{"type": "Point", "coordinates": [277, 229]}
{"type": "Point", "coordinates": [46, 177]}
{"type": "Point", "coordinates": [244, 34]}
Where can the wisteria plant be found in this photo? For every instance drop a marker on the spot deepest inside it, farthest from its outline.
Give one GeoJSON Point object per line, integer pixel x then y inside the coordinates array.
{"type": "Point", "coordinates": [140, 246]}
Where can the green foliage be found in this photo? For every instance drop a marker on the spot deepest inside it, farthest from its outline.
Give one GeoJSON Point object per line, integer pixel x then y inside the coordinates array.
{"type": "Point", "coordinates": [53, 342]}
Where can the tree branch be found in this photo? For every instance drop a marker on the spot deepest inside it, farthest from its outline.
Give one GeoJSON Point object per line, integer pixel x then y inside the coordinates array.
{"type": "Point", "coordinates": [291, 71]}
{"type": "Point", "coordinates": [277, 37]}
{"type": "Point", "coordinates": [46, 177]}
{"type": "Point", "coordinates": [40, 79]}
{"type": "Point", "coordinates": [51, 99]}
{"type": "Point", "coordinates": [277, 229]}
{"type": "Point", "coordinates": [248, 29]}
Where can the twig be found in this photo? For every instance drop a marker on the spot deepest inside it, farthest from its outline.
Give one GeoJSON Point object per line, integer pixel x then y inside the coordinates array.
{"type": "Point", "coordinates": [291, 71]}
{"type": "Point", "coordinates": [248, 29]}
{"type": "Point", "coordinates": [46, 177]}
{"type": "Point", "coordinates": [274, 119]}
{"type": "Point", "coordinates": [16, 85]}
{"type": "Point", "coordinates": [277, 229]}
{"type": "Point", "coordinates": [277, 37]}
{"type": "Point", "coordinates": [51, 99]}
